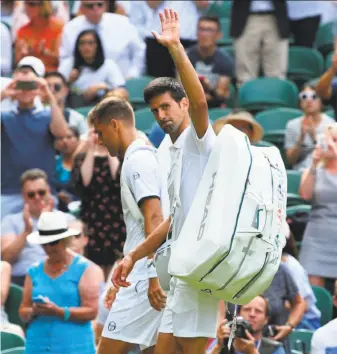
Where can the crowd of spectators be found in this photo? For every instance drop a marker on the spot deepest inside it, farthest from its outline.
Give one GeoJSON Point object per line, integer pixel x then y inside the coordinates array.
{"type": "Point", "coordinates": [60, 56]}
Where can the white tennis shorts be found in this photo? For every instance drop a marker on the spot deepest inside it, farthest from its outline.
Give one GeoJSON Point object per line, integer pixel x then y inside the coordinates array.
{"type": "Point", "coordinates": [132, 319]}
{"type": "Point", "coordinates": [189, 313]}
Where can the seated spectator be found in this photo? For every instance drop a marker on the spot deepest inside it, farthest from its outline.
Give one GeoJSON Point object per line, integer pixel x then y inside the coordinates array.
{"type": "Point", "coordinates": [41, 37]}
{"type": "Point", "coordinates": [324, 340]}
{"type": "Point", "coordinates": [326, 88]}
{"type": "Point", "coordinates": [301, 133]}
{"type": "Point", "coordinates": [96, 177]}
{"type": "Point", "coordinates": [257, 314]}
{"type": "Point", "coordinates": [119, 37]}
{"type": "Point", "coordinates": [68, 146]}
{"type": "Point", "coordinates": [319, 185]}
{"type": "Point", "coordinates": [6, 50]}
{"type": "Point", "coordinates": [5, 325]}
{"type": "Point", "coordinates": [7, 10]}
{"type": "Point", "coordinates": [120, 7]}
{"type": "Point", "coordinates": [312, 315]}
{"type": "Point", "coordinates": [89, 74]}
{"type": "Point", "coordinates": [27, 133]}
{"type": "Point", "coordinates": [59, 87]}
{"type": "Point", "coordinates": [79, 242]}
{"type": "Point", "coordinates": [214, 67]}
{"type": "Point", "coordinates": [283, 292]}
{"type": "Point", "coordinates": [260, 32]}
{"type": "Point", "coordinates": [16, 227]}
{"type": "Point", "coordinates": [242, 121]}
{"type": "Point", "coordinates": [61, 292]}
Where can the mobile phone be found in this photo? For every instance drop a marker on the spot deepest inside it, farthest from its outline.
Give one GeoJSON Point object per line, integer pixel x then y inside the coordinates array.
{"type": "Point", "coordinates": [271, 331]}
{"type": "Point", "coordinates": [39, 299]}
{"type": "Point", "coordinates": [26, 85]}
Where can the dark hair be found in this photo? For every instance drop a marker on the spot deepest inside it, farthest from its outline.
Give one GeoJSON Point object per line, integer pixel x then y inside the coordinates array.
{"type": "Point", "coordinates": [209, 18]}
{"type": "Point", "coordinates": [75, 131]}
{"type": "Point", "coordinates": [111, 108]}
{"type": "Point", "coordinates": [99, 56]}
{"type": "Point", "coordinates": [162, 85]}
{"type": "Point", "coordinates": [33, 175]}
{"type": "Point", "coordinates": [56, 74]}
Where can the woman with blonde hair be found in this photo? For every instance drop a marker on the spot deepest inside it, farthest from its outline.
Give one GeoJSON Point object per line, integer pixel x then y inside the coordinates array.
{"type": "Point", "coordinates": [60, 296]}
{"type": "Point", "coordinates": [41, 37]}
{"type": "Point", "coordinates": [319, 184]}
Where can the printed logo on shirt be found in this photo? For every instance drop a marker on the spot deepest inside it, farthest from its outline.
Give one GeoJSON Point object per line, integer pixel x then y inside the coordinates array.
{"type": "Point", "coordinates": [136, 175]}
{"type": "Point", "coordinates": [111, 326]}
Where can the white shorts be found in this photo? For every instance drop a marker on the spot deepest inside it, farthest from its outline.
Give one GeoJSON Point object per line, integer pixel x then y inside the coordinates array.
{"type": "Point", "coordinates": [189, 313]}
{"type": "Point", "coordinates": [132, 319]}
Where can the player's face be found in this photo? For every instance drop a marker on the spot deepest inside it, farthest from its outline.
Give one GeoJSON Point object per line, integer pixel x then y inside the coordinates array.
{"type": "Point", "coordinates": [108, 136]}
{"type": "Point", "coordinates": [169, 114]}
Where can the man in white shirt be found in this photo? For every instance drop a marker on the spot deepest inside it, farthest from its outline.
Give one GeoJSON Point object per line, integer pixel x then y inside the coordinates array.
{"type": "Point", "coordinates": [324, 340]}
{"type": "Point", "coordinates": [136, 313]}
{"type": "Point", "coordinates": [190, 316]}
{"type": "Point", "coordinates": [120, 39]}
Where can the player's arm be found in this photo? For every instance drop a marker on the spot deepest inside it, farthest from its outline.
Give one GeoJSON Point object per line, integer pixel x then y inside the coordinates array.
{"type": "Point", "coordinates": [170, 38]}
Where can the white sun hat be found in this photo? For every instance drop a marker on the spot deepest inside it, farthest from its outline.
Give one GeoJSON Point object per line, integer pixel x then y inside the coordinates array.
{"type": "Point", "coordinates": [52, 226]}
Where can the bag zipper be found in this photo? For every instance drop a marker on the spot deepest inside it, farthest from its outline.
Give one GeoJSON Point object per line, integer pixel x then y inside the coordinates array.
{"type": "Point", "coordinates": [237, 216]}
{"type": "Point", "coordinates": [235, 274]}
{"type": "Point", "coordinates": [253, 280]}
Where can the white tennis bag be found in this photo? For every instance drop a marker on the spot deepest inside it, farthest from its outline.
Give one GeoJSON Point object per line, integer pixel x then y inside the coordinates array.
{"type": "Point", "coordinates": [231, 242]}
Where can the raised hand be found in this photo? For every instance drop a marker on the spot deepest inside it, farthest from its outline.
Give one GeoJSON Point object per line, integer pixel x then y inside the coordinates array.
{"type": "Point", "coordinates": [27, 218]}
{"type": "Point", "coordinates": [170, 34]}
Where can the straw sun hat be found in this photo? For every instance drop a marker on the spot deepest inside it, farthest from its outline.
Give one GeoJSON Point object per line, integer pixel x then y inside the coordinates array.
{"type": "Point", "coordinates": [52, 226]}
{"type": "Point", "coordinates": [240, 117]}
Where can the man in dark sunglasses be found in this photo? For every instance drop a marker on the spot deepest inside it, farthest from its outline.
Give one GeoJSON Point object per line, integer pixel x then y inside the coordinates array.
{"type": "Point", "coordinates": [59, 87]}
{"type": "Point", "coordinates": [15, 228]}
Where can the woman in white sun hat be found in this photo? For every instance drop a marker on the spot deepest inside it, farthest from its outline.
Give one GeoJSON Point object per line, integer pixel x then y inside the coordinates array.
{"type": "Point", "coordinates": [60, 293]}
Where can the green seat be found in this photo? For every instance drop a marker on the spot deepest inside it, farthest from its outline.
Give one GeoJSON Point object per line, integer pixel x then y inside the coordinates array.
{"type": "Point", "coordinates": [294, 180]}
{"type": "Point", "coordinates": [17, 350]}
{"type": "Point", "coordinates": [324, 303]}
{"type": "Point", "coordinates": [300, 339]}
{"type": "Point", "coordinates": [328, 60]}
{"type": "Point", "coordinates": [135, 88]}
{"type": "Point", "coordinates": [293, 351]}
{"type": "Point", "coordinates": [304, 64]}
{"type": "Point", "coordinates": [84, 110]}
{"type": "Point", "coordinates": [144, 120]}
{"type": "Point", "coordinates": [216, 113]}
{"type": "Point", "coordinates": [330, 113]}
{"type": "Point", "coordinates": [231, 102]}
{"type": "Point", "coordinates": [221, 9]}
{"type": "Point", "coordinates": [325, 38]}
{"type": "Point", "coordinates": [11, 340]}
{"type": "Point", "coordinates": [225, 39]}
{"type": "Point", "coordinates": [302, 208]}
{"type": "Point", "coordinates": [13, 303]}
{"type": "Point", "coordinates": [264, 93]}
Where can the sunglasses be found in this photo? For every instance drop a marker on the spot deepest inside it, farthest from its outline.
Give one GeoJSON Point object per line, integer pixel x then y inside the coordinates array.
{"type": "Point", "coordinates": [40, 192]}
{"type": "Point", "coordinates": [91, 6]}
{"type": "Point", "coordinates": [55, 87]}
{"type": "Point", "coordinates": [89, 42]}
{"type": "Point", "coordinates": [307, 96]}
{"type": "Point", "coordinates": [53, 243]}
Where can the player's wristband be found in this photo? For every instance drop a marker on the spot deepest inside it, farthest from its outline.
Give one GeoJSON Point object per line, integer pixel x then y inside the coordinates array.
{"type": "Point", "coordinates": [151, 269]}
{"type": "Point", "coordinates": [66, 315]}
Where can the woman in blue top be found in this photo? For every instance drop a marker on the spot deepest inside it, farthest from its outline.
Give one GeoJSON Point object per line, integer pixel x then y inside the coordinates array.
{"type": "Point", "coordinates": [60, 295]}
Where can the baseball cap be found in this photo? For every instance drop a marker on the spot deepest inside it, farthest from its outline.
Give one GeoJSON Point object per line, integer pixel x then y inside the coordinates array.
{"type": "Point", "coordinates": [35, 63]}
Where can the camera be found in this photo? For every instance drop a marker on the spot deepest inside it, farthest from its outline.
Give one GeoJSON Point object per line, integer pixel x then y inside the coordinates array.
{"type": "Point", "coordinates": [241, 327]}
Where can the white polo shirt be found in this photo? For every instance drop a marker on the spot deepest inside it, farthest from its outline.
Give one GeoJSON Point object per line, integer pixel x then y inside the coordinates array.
{"type": "Point", "coordinates": [195, 154]}
{"type": "Point", "coordinates": [120, 39]}
{"type": "Point", "coordinates": [324, 340]}
{"type": "Point", "coordinates": [144, 178]}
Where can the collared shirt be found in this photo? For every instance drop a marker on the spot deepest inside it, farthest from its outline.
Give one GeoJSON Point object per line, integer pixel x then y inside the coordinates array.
{"type": "Point", "coordinates": [324, 340]}
{"type": "Point", "coordinates": [195, 154]}
{"type": "Point", "coordinates": [261, 6]}
{"type": "Point", "coordinates": [26, 143]}
{"type": "Point", "coordinates": [298, 10]}
{"type": "Point", "coordinates": [145, 180]}
{"type": "Point", "coordinates": [120, 39]}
